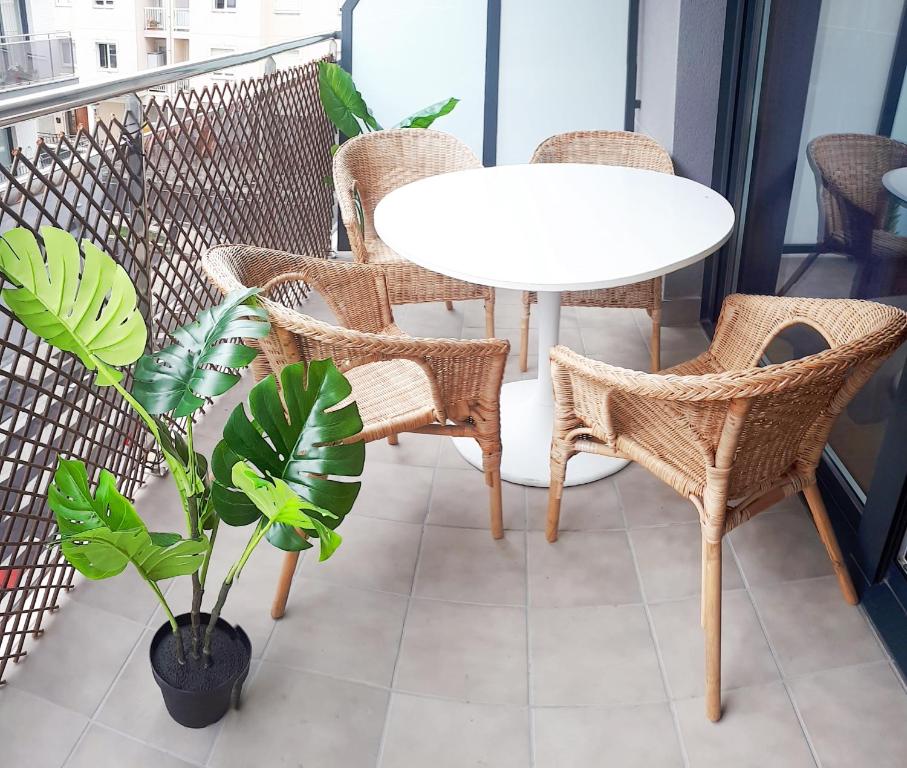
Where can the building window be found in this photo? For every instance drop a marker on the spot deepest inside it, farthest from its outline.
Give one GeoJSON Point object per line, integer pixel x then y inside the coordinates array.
{"type": "Point", "coordinates": [287, 6]}
{"type": "Point", "coordinates": [224, 5]}
{"type": "Point", "coordinates": [7, 142]}
{"type": "Point", "coordinates": [102, 3]}
{"type": "Point", "coordinates": [107, 55]}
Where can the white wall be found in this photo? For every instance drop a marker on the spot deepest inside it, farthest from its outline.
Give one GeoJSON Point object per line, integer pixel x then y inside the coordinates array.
{"type": "Point", "coordinates": [850, 70]}
{"type": "Point", "coordinates": [656, 73]}
{"type": "Point", "coordinates": [408, 54]}
{"type": "Point", "coordinates": [563, 68]}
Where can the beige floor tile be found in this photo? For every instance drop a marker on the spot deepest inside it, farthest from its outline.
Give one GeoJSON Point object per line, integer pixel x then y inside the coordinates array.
{"type": "Point", "coordinates": [513, 373]}
{"type": "Point", "coordinates": [780, 546]}
{"type": "Point", "coordinates": [629, 737]}
{"type": "Point", "coordinates": [35, 732]}
{"type": "Point", "coordinates": [745, 656]}
{"type": "Point", "coordinates": [75, 662]}
{"type": "Point", "coordinates": [589, 507]}
{"type": "Point", "coordinates": [617, 343]}
{"type": "Point", "coordinates": [395, 492]}
{"type": "Point", "coordinates": [375, 554]}
{"type": "Point", "coordinates": [508, 314]}
{"type": "Point", "coordinates": [460, 498]}
{"type": "Point", "coordinates": [471, 653]}
{"type": "Point", "coordinates": [342, 632]}
{"type": "Point", "coordinates": [450, 457]}
{"type": "Point", "coordinates": [581, 568]}
{"type": "Point", "coordinates": [451, 734]}
{"type": "Point", "coordinates": [102, 747]}
{"type": "Point", "coordinates": [758, 728]}
{"type": "Point", "coordinates": [135, 707]}
{"type": "Point", "coordinates": [648, 501]}
{"type": "Point", "coordinates": [670, 561]}
{"type": "Point", "coordinates": [812, 628]}
{"type": "Point", "coordinates": [127, 595]}
{"type": "Point", "coordinates": [412, 450]}
{"type": "Point", "coordinates": [296, 718]}
{"type": "Point", "coordinates": [569, 336]}
{"type": "Point", "coordinates": [467, 565]}
{"type": "Point", "coordinates": [432, 320]}
{"type": "Point", "coordinates": [855, 716]}
{"type": "Point", "coordinates": [593, 655]}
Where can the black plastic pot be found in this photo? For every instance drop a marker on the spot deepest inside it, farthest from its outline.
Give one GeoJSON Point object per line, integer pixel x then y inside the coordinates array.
{"type": "Point", "coordinates": [198, 708]}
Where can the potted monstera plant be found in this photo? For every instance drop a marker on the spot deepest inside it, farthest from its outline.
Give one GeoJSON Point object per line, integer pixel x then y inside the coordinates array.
{"type": "Point", "coordinates": [272, 470]}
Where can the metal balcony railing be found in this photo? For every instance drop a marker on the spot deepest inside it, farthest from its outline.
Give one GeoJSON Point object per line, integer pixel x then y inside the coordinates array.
{"type": "Point", "coordinates": [181, 19]}
{"type": "Point", "coordinates": [29, 59]}
{"type": "Point", "coordinates": [155, 17]}
{"type": "Point", "coordinates": [244, 161]}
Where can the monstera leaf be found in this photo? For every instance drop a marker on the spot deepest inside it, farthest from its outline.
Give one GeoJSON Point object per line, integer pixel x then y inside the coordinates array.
{"type": "Point", "coordinates": [84, 304]}
{"type": "Point", "coordinates": [295, 439]}
{"type": "Point", "coordinates": [177, 379]}
{"type": "Point", "coordinates": [342, 102]}
{"type": "Point", "coordinates": [281, 506]}
{"type": "Point", "coordinates": [425, 117]}
{"type": "Point", "coordinates": [101, 534]}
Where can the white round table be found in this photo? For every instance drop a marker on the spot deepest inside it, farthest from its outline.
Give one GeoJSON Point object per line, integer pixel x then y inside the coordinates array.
{"type": "Point", "coordinates": [550, 228]}
{"type": "Point", "coordinates": [895, 181]}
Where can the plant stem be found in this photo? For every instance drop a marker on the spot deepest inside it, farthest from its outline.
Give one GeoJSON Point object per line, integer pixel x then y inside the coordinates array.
{"type": "Point", "coordinates": [180, 653]}
{"type": "Point", "coordinates": [257, 535]}
{"type": "Point", "coordinates": [207, 561]}
{"type": "Point", "coordinates": [198, 591]}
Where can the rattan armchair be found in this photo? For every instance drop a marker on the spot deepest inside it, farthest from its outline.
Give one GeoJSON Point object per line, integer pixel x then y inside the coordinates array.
{"type": "Point", "coordinates": [368, 167]}
{"type": "Point", "coordinates": [400, 383]}
{"type": "Point", "coordinates": [632, 150]}
{"type": "Point", "coordinates": [731, 437]}
{"type": "Point", "coordinates": [853, 208]}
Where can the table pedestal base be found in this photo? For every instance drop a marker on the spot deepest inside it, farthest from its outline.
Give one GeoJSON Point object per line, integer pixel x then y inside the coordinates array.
{"type": "Point", "coordinates": [526, 421]}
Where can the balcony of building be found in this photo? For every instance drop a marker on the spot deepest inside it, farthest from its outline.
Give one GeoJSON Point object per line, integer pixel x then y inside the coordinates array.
{"type": "Point", "coordinates": [27, 60]}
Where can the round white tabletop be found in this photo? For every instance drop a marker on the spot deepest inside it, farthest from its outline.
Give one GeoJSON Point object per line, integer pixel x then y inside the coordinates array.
{"type": "Point", "coordinates": [896, 183]}
{"type": "Point", "coordinates": [551, 228]}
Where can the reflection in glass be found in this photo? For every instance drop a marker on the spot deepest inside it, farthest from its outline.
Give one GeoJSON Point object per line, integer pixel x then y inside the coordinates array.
{"type": "Point", "coordinates": [846, 232]}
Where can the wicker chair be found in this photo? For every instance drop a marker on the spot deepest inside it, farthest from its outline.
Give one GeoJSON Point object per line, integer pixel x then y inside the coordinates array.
{"type": "Point", "coordinates": [733, 438]}
{"type": "Point", "coordinates": [853, 207]}
{"type": "Point", "coordinates": [632, 150]}
{"type": "Point", "coordinates": [368, 167]}
{"type": "Point", "coordinates": [400, 383]}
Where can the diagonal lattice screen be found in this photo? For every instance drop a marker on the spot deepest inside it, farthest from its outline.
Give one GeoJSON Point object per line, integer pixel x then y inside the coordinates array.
{"type": "Point", "coordinates": [244, 161]}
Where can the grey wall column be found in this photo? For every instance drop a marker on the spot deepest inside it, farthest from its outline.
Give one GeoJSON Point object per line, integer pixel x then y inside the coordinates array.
{"type": "Point", "coordinates": [699, 54]}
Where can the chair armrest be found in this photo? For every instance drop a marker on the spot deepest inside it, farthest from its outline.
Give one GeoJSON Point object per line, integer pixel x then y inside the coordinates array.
{"type": "Point", "coordinates": [460, 370]}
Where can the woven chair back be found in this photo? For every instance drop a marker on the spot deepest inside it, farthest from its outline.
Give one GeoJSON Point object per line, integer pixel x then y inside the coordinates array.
{"type": "Point", "coordinates": [849, 169]}
{"type": "Point", "coordinates": [371, 165]}
{"type": "Point", "coordinates": [790, 407]}
{"type": "Point", "coordinates": [631, 150]}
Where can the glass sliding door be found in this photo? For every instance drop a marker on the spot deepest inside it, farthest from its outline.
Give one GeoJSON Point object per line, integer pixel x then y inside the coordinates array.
{"type": "Point", "coordinates": [814, 151]}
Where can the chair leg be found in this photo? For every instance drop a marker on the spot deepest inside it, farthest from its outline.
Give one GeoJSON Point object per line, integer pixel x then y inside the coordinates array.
{"type": "Point", "coordinates": [655, 343]}
{"type": "Point", "coordinates": [524, 334]}
{"type": "Point", "coordinates": [449, 305]}
{"type": "Point", "coordinates": [279, 606]}
{"type": "Point", "coordinates": [703, 585]}
{"type": "Point", "coordinates": [713, 630]}
{"type": "Point", "coordinates": [827, 534]}
{"type": "Point", "coordinates": [489, 317]}
{"type": "Point", "coordinates": [493, 479]}
{"type": "Point", "coordinates": [392, 440]}
{"type": "Point", "coordinates": [555, 494]}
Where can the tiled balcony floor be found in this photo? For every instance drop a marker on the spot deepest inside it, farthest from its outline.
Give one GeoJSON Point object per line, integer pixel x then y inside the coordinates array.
{"type": "Point", "coordinates": [423, 642]}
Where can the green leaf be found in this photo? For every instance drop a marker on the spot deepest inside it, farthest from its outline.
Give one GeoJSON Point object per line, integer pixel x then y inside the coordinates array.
{"type": "Point", "coordinates": [425, 117]}
{"type": "Point", "coordinates": [277, 502]}
{"type": "Point", "coordinates": [177, 379]}
{"type": "Point", "coordinates": [297, 439]}
{"type": "Point", "coordinates": [101, 534]}
{"type": "Point", "coordinates": [84, 304]}
{"type": "Point", "coordinates": [342, 102]}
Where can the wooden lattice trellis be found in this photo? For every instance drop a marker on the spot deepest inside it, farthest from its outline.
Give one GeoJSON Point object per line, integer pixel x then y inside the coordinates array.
{"type": "Point", "coordinates": [243, 161]}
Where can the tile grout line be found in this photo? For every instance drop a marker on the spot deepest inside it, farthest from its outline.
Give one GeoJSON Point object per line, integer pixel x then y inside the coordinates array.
{"type": "Point", "coordinates": [409, 601]}
{"type": "Point", "coordinates": [790, 696]}
{"type": "Point", "coordinates": [675, 718]}
{"type": "Point", "coordinates": [529, 679]}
